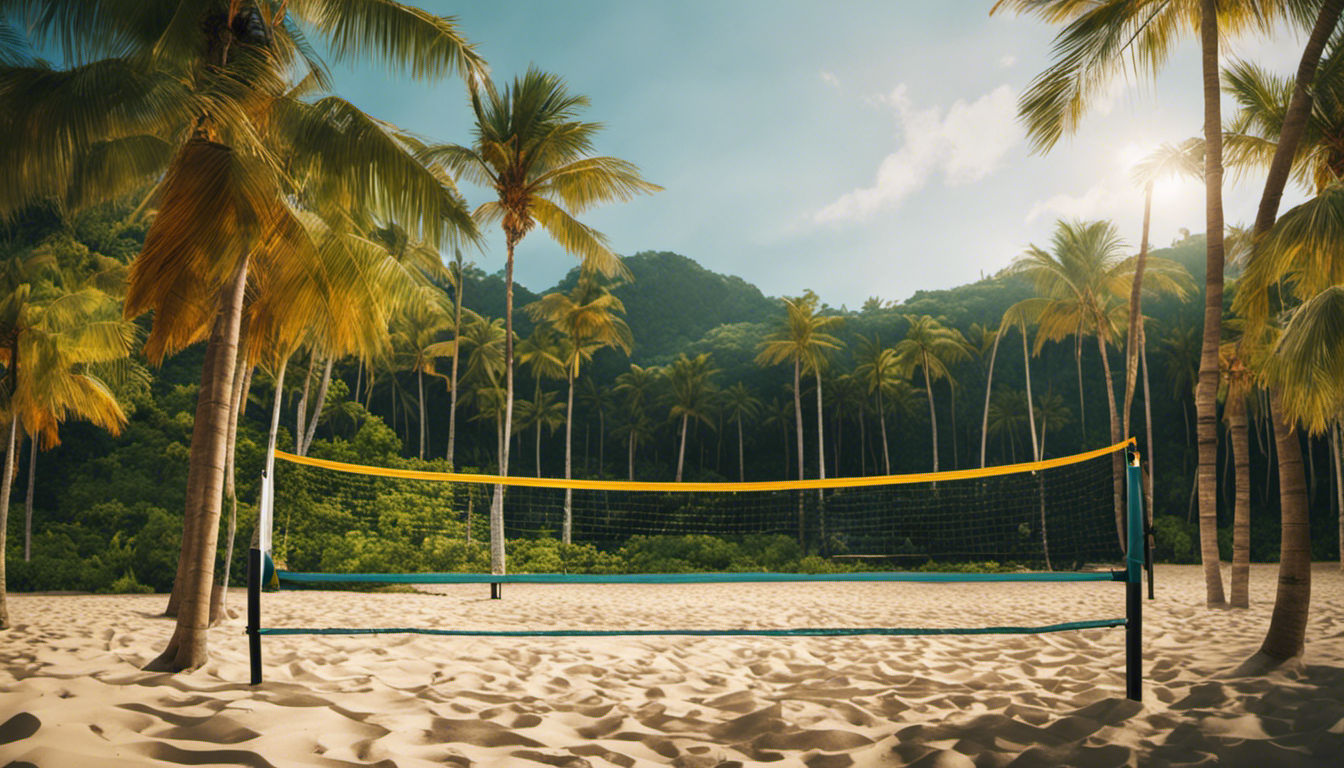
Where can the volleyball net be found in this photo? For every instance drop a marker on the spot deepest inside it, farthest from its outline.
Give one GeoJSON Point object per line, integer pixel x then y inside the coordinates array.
{"type": "Point", "coordinates": [325, 523]}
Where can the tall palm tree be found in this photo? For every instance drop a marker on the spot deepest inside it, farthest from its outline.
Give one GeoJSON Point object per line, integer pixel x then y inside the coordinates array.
{"type": "Point", "coordinates": [1082, 278]}
{"type": "Point", "coordinates": [48, 341]}
{"type": "Point", "coordinates": [1020, 314]}
{"type": "Point", "coordinates": [414, 330]}
{"type": "Point", "coordinates": [803, 338]}
{"type": "Point", "coordinates": [531, 149]}
{"type": "Point", "coordinates": [877, 371]}
{"type": "Point", "coordinates": [590, 318]}
{"type": "Point", "coordinates": [1238, 383]}
{"type": "Point", "coordinates": [1007, 416]}
{"type": "Point", "coordinates": [637, 385]}
{"type": "Point", "coordinates": [742, 404]}
{"type": "Point", "coordinates": [779, 411]}
{"type": "Point", "coordinates": [931, 347]}
{"type": "Point", "coordinates": [1051, 414]}
{"type": "Point", "coordinates": [1099, 42]}
{"type": "Point", "coordinates": [692, 396]}
{"type": "Point", "coordinates": [543, 351]}
{"type": "Point", "coordinates": [199, 95]}
{"type": "Point", "coordinates": [1186, 158]}
{"type": "Point", "coordinates": [597, 399]}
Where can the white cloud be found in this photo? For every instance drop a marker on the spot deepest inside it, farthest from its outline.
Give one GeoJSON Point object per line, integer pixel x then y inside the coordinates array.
{"type": "Point", "coordinates": [966, 145]}
{"type": "Point", "coordinates": [1007, 61]}
{"type": "Point", "coordinates": [830, 79]}
{"type": "Point", "coordinates": [1096, 202]}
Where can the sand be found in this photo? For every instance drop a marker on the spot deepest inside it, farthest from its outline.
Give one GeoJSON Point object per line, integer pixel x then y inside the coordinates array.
{"type": "Point", "coordinates": [72, 693]}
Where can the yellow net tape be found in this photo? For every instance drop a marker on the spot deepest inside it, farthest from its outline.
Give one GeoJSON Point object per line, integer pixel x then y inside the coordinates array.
{"type": "Point", "coordinates": [778, 485]}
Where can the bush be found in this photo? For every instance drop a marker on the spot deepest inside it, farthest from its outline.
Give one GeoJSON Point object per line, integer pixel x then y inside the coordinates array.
{"type": "Point", "coordinates": [1174, 540]}
{"type": "Point", "coordinates": [126, 585]}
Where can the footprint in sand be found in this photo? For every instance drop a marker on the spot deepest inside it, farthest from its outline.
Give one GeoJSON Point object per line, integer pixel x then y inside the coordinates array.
{"type": "Point", "coordinates": [20, 726]}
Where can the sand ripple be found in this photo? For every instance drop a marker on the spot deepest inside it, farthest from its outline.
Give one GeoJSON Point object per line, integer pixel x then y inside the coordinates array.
{"type": "Point", "coordinates": [72, 693]}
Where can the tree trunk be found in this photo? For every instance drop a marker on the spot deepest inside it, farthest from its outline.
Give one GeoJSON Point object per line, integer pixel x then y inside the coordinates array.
{"type": "Point", "coordinates": [28, 501]}
{"type": "Point", "coordinates": [741, 459]}
{"type": "Point", "coordinates": [569, 459]}
{"type": "Point", "coordinates": [1239, 594]}
{"type": "Point", "coordinates": [681, 451]}
{"type": "Point", "coordinates": [933, 416]}
{"type": "Point", "coordinates": [1136, 313]}
{"type": "Point", "coordinates": [1206, 392]}
{"type": "Point", "coordinates": [457, 342]}
{"type": "Point", "coordinates": [1148, 435]}
{"type": "Point", "coordinates": [497, 558]}
{"type": "Point", "coordinates": [242, 380]}
{"type": "Point", "coordinates": [301, 418]}
{"type": "Point", "coordinates": [420, 384]}
{"type": "Point", "coordinates": [1117, 457]}
{"type": "Point", "coordinates": [1037, 452]}
{"type": "Point", "coordinates": [989, 387]}
{"type": "Point", "coordinates": [205, 479]}
{"type": "Point", "coordinates": [798, 424]}
{"type": "Point", "coordinates": [320, 402]}
{"type": "Point", "coordinates": [275, 429]}
{"type": "Point", "coordinates": [6, 483]}
{"type": "Point", "coordinates": [1082, 410]}
{"type": "Point", "coordinates": [632, 454]}
{"type": "Point", "coordinates": [882, 420]}
{"type": "Point", "coordinates": [1339, 489]}
{"type": "Point", "coordinates": [1288, 624]}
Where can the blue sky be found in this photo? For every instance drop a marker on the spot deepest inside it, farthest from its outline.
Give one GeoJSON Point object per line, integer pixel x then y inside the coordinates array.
{"type": "Point", "coordinates": [854, 148]}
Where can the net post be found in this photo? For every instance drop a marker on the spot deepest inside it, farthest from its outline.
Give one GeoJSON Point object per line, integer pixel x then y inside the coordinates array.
{"type": "Point", "coordinates": [496, 590]}
{"type": "Point", "coordinates": [1134, 558]}
{"type": "Point", "coordinates": [254, 613]}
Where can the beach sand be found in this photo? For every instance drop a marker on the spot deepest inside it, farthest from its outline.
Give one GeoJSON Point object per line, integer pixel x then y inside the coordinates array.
{"type": "Point", "coordinates": [72, 693]}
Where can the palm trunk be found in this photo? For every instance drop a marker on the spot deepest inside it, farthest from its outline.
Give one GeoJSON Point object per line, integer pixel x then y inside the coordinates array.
{"type": "Point", "coordinates": [301, 418]}
{"type": "Point", "coordinates": [1339, 488]}
{"type": "Point", "coordinates": [242, 380]}
{"type": "Point", "coordinates": [1135, 313]}
{"type": "Point", "coordinates": [1152, 457]}
{"type": "Point", "coordinates": [1287, 625]}
{"type": "Point", "coordinates": [569, 460]}
{"type": "Point", "coordinates": [821, 440]}
{"type": "Point", "coordinates": [1082, 410]}
{"type": "Point", "coordinates": [741, 459]}
{"type": "Point", "coordinates": [457, 343]}
{"type": "Point", "coordinates": [320, 402]}
{"type": "Point", "coordinates": [6, 483]}
{"type": "Point", "coordinates": [1241, 520]}
{"type": "Point", "coordinates": [632, 455]}
{"type": "Point", "coordinates": [601, 443]}
{"type": "Point", "coordinates": [28, 501]}
{"type": "Point", "coordinates": [681, 451]}
{"type": "Point", "coordinates": [275, 427]}
{"type": "Point", "coordinates": [1037, 452]}
{"type": "Point", "coordinates": [1206, 392]}
{"type": "Point", "coordinates": [420, 384]}
{"type": "Point", "coordinates": [497, 558]}
{"type": "Point", "coordinates": [933, 415]}
{"type": "Point", "coordinates": [205, 479]}
{"type": "Point", "coordinates": [989, 386]}
{"type": "Point", "coordinates": [882, 420]}
{"type": "Point", "coordinates": [1117, 457]}
{"type": "Point", "coordinates": [798, 424]}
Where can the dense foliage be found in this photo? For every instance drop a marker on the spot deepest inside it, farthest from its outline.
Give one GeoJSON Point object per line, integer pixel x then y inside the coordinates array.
{"type": "Point", "coordinates": [107, 511]}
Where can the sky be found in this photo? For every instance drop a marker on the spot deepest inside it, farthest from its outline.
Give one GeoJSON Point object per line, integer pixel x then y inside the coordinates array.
{"type": "Point", "coordinates": [856, 149]}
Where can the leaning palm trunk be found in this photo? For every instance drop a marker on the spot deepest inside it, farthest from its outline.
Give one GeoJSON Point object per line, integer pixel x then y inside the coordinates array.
{"type": "Point", "coordinates": [1239, 594]}
{"type": "Point", "coordinates": [1152, 461]}
{"type": "Point", "coordinates": [798, 423]}
{"type": "Point", "coordinates": [318, 404]}
{"type": "Point", "coordinates": [933, 415]}
{"type": "Point", "coordinates": [1288, 624]}
{"type": "Point", "coordinates": [681, 451]}
{"type": "Point", "coordinates": [1135, 313]}
{"type": "Point", "coordinates": [6, 483]}
{"type": "Point", "coordinates": [242, 379]}
{"type": "Point", "coordinates": [420, 384]}
{"type": "Point", "coordinates": [741, 460]}
{"type": "Point", "coordinates": [821, 464]}
{"type": "Point", "coordinates": [188, 649]}
{"type": "Point", "coordinates": [1206, 392]}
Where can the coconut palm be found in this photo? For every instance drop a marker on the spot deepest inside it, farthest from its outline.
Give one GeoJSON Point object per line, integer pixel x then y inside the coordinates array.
{"type": "Point", "coordinates": [597, 399]}
{"type": "Point", "coordinates": [1103, 39]}
{"type": "Point", "coordinates": [1187, 159]}
{"type": "Point", "coordinates": [48, 340]}
{"type": "Point", "coordinates": [414, 330]}
{"type": "Point", "coordinates": [543, 351]}
{"type": "Point", "coordinates": [877, 371]}
{"type": "Point", "coordinates": [804, 339]}
{"type": "Point", "coordinates": [1020, 314]}
{"type": "Point", "coordinates": [742, 404]}
{"type": "Point", "coordinates": [692, 396]}
{"type": "Point", "coordinates": [589, 318]}
{"type": "Point", "coordinates": [1082, 279]}
{"type": "Point", "coordinates": [1007, 417]}
{"type": "Point", "coordinates": [199, 95]}
{"type": "Point", "coordinates": [637, 386]}
{"type": "Point", "coordinates": [530, 148]}
{"type": "Point", "coordinates": [931, 347]}
{"type": "Point", "coordinates": [781, 412]}
{"type": "Point", "coordinates": [1238, 383]}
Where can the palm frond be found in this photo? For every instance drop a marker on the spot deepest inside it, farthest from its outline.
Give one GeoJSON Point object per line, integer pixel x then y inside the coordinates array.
{"type": "Point", "coordinates": [402, 36]}
{"type": "Point", "coordinates": [589, 245]}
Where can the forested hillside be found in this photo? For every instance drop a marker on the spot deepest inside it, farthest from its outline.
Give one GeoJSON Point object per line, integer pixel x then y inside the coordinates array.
{"type": "Point", "coordinates": [108, 509]}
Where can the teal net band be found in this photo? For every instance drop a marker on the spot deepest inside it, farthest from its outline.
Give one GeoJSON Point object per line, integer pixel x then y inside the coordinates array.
{"type": "Point", "coordinates": [804, 632]}
{"type": "Point", "coordinates": [293, 577]}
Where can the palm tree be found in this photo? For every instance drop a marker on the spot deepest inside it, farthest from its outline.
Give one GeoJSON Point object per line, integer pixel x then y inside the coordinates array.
{"type": "Point", "coordinates": [804, 339]}
{"type": "Point", "coordinates": [637, 385]}
{"type": "Point", "coordinates": [1167, 160]}
{"type": "Point", "coordinates": [932, 347]}
{"type": "Point", "coordinates": [459, 284]}
{"type": "Point", "coordinates": [543, 351]}
{"type": "Point", "coordinates": [414, 330]}
{"type": "Point", "coordinates": [531, 149]}
{"type": "Point", "coordinates": [1099, 42]}
{"type": "Point", "coordinates": [877, 371]}
{"type": "Point", "coordinates": [597, 399]}
{"type": "Point", "coordinates": [1051, 414]}
{"type": "Point", "coordinates": [1082, 279]}
{"type": "Point", "coordinates": [1237, 386]}
{"type": "Point", "coordinates": [780, 412]}
{"type": "Point", "coordinates": [742, 404]}
{"type": "Point", "coordinates": [1020, 314]}
{"type": "Point", "coordinates": [692, 396]}
{"type": "Point", "coordinates": [589, 317]}
{"type": "Point", "coordinates": [48, 340]}
{"type": "Point", "coordinates": [200, 95]}
{"type": "Point", "coordinates": [1008, 415]}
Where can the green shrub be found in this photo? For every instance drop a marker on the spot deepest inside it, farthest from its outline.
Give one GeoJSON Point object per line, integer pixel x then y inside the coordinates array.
{"type": "Point", "coordinates": [126, 585]}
